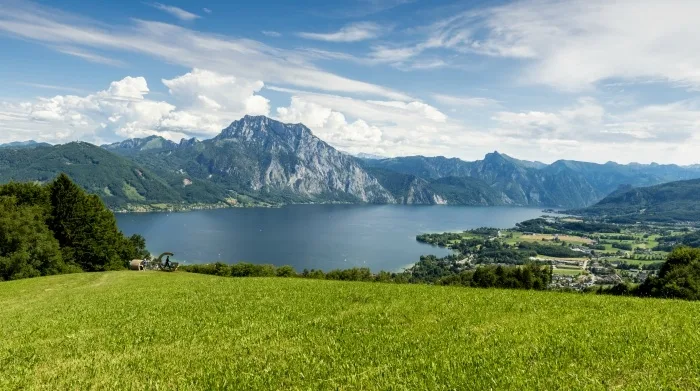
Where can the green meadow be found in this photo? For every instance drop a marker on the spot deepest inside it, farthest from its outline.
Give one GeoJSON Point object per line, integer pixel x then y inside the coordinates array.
{"type": "Point", "coordinates": [155, 330]}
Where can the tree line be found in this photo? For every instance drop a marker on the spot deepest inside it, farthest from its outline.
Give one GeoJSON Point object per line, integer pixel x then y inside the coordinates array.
{"type": "Point", "coordinates": [58, 228]}
{"type": "Point", "coordinates": [429, 270]}
{"type": "Point", "coordinates": [679, 278]}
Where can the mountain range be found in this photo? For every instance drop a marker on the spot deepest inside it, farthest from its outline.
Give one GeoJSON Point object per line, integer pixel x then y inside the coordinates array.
{"type": "Point", "coordinates": [260, 161]}
{"type": "Point", "coordinates": [24, 145]}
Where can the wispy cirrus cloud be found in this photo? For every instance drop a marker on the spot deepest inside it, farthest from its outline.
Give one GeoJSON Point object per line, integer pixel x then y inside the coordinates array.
{"type": "Point", "coordinates": [571, 45]}
{"type": "Point", "coordinates": [92, 57]}
{"type": "Point", "coordinates": [271, 33]}
{"type": "Point", "coordinates": [176, 11]}
{"type": "Point", "coordinates": [49, 86]}
{"type": "Point", "coordinates": [351, 33]}
{"type": "Point", "coordinates": [179, 45]}
{"type": "Point", "coordinates": [464, 101]}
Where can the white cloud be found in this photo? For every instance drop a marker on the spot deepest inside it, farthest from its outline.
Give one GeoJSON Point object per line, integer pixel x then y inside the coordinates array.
{"type": "Point", "coordinates": [49, 86]}
{"type": "Point", "coordinates": [203, 103]}
{"type": "Point", "coordinates": [351, 33]}
{"type": "Point", "coordinates": [577, 122]}
{"type": "Point", "coordinates": [331, 126]}
{"type": "Point", "coordinates": [246, 58]}
{"type": "Point", "coordinates": [177, 12]}
{"type": "Point", "coordinates": [92, 57]}
{"type": "Point", "coordinates": [204, 90]}
{"type": "Point", "coordinates": [588, 122]}
{"type": "Point", "coordinates": [575, 44]}
{"type": "Point", "coordinates": [425, 110]}
{"type": "Point", "coordinates": [464, 102]}
{"type": "Point", "coordinates": [385, 127]}
{"type": "Point", "coordinates": [206, 10]}
{"type": "Point", "coordinates": [271, 33]}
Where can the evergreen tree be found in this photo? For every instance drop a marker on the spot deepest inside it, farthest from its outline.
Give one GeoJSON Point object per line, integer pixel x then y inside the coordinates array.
{"type": "Point", "coordinates": [27, 246]}
{"type": "Point", "coordinates": [86, 230]}
{"type": "Point", "coordinates": [59, 228]}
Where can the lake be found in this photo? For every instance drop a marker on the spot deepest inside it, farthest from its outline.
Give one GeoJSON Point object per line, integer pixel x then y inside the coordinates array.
{"type": "Point", "coordinates": [381, 237]}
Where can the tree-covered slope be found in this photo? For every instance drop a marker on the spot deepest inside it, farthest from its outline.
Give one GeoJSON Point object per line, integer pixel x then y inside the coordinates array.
{"type": "Point", "coordinates": [136, 145]}
{"type": "Point", "coordinates": [116, 180]}
{"type": "Point", "coordinates": [24, 145]}
{"type": "Point", "coordinates": [466, 191]}
{"type": "Point", "coordinates": [405, 188]}
{"type": "Point", "coordinates": [564, 183]}
{"type": "Point", "coordinates": [673, 201]}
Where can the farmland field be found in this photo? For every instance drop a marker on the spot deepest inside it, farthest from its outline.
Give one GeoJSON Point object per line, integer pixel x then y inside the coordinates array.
{"type": "Point", "coordinates": [567, 271]}
{"type": "Point", "coordinates": [149, 330]}
{"type": "Point", "coordinates": [563, 238]}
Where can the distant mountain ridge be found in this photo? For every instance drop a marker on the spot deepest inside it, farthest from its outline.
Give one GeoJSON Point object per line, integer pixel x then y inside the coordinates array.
{"type": "Point", "coordinates": [258, 160]}
{"type": "Point", "coordinates": [136, 145]}
{"type": "Point", "coordinates": [677, 201]}
{"type": "Point", "coordinates": [30, 144]}
{"type": "Point", "coordinates": [564, 183]}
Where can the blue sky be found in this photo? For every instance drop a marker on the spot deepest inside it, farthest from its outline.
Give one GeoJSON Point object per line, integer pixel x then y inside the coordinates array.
{"type": "Point", "coordinates": [538, 79]}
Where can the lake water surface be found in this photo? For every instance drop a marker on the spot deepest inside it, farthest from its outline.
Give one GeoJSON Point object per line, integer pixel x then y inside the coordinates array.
{"type": "Point", "coordinates": [381, 237]}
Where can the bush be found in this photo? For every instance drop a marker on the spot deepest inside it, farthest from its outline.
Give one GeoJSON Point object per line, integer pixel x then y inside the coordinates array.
{"type": "Point", "coordinates": [286, 271]}
{"type": "Point", "coordinates": [530, 276]}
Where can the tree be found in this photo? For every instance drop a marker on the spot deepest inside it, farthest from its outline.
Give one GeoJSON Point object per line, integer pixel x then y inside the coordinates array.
{"type": "Point", "coordinates": [27, 246]}
{"type": "Point", "coordinates": [679, 276]}
{"type": "Point", "coordinates": [86, 230]}
{"type": "Point", "coordinates": [59, 228]}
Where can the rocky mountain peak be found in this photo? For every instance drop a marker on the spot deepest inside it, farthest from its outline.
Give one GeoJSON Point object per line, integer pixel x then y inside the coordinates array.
{"type": "Point", "coordinates": [142, 144]}
{"type": "Point", "coordinates": [251, 128]}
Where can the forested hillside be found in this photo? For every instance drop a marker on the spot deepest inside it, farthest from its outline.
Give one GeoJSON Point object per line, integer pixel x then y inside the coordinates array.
{"type": "Point", "coordinates": [674, 201]}
{"type": "Point", "coordinates": [118, 181]}
{"type": "Point", "coordinates": [58, 228]}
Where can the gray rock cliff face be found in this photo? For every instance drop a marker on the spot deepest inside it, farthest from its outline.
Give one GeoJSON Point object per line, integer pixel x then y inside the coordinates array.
{"type": "Point", "coordinates": [262, 154]}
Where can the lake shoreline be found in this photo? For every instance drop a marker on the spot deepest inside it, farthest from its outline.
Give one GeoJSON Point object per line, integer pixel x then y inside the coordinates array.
{"type": "Point", "coordinates": [143, 209]}
{"type": "Point", "coordinates": [326, 237]}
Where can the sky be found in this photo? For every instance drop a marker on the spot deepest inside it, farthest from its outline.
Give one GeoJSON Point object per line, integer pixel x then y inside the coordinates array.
{"type": "Point", "coordinates": [591, 80]}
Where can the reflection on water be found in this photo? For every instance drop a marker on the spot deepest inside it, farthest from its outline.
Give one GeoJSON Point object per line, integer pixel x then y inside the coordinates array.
{"type": "Point", "coordinates": [381, 237]}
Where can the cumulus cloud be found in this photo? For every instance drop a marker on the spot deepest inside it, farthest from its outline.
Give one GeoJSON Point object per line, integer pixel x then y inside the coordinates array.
{"type": "Point", "coordinates": [331, 125]}
{"type": "Point", "coordinates": [208, 91]}
{"type": "Point", "coordinates": [202, 103]}
{"type": "Point", "coordinates": [385, 127]}
{"type": "Point", "coordinates": [351, 33]}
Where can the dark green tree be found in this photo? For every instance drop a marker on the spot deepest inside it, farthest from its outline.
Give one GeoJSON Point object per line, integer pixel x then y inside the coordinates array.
{"type": "Point", "coordinates": [679, 276]}
{"type": "Point", "coordinates": [27, 246]}
{"type": "Point", "coordinates": [86, 230]}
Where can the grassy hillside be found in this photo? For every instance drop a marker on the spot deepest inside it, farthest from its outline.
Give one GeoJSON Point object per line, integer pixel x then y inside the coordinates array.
{"type": "Point", "coordinates": [138, 330]}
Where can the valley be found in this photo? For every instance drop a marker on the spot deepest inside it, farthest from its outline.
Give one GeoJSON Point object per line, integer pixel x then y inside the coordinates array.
{"type": "Point", "coordinates": [583, 254]}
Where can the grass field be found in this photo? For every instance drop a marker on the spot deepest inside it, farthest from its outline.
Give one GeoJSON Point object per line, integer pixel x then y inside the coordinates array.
{"type": "Point", "coordinates": [149, 330]}
{"type": "Point", "coordinates": [568, 272]}
{"type": "Point", "coordinates": [563, 238]}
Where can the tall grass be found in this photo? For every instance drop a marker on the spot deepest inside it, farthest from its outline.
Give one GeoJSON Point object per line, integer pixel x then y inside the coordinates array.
{"type": "Point", "coordinates": [151, 330]}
